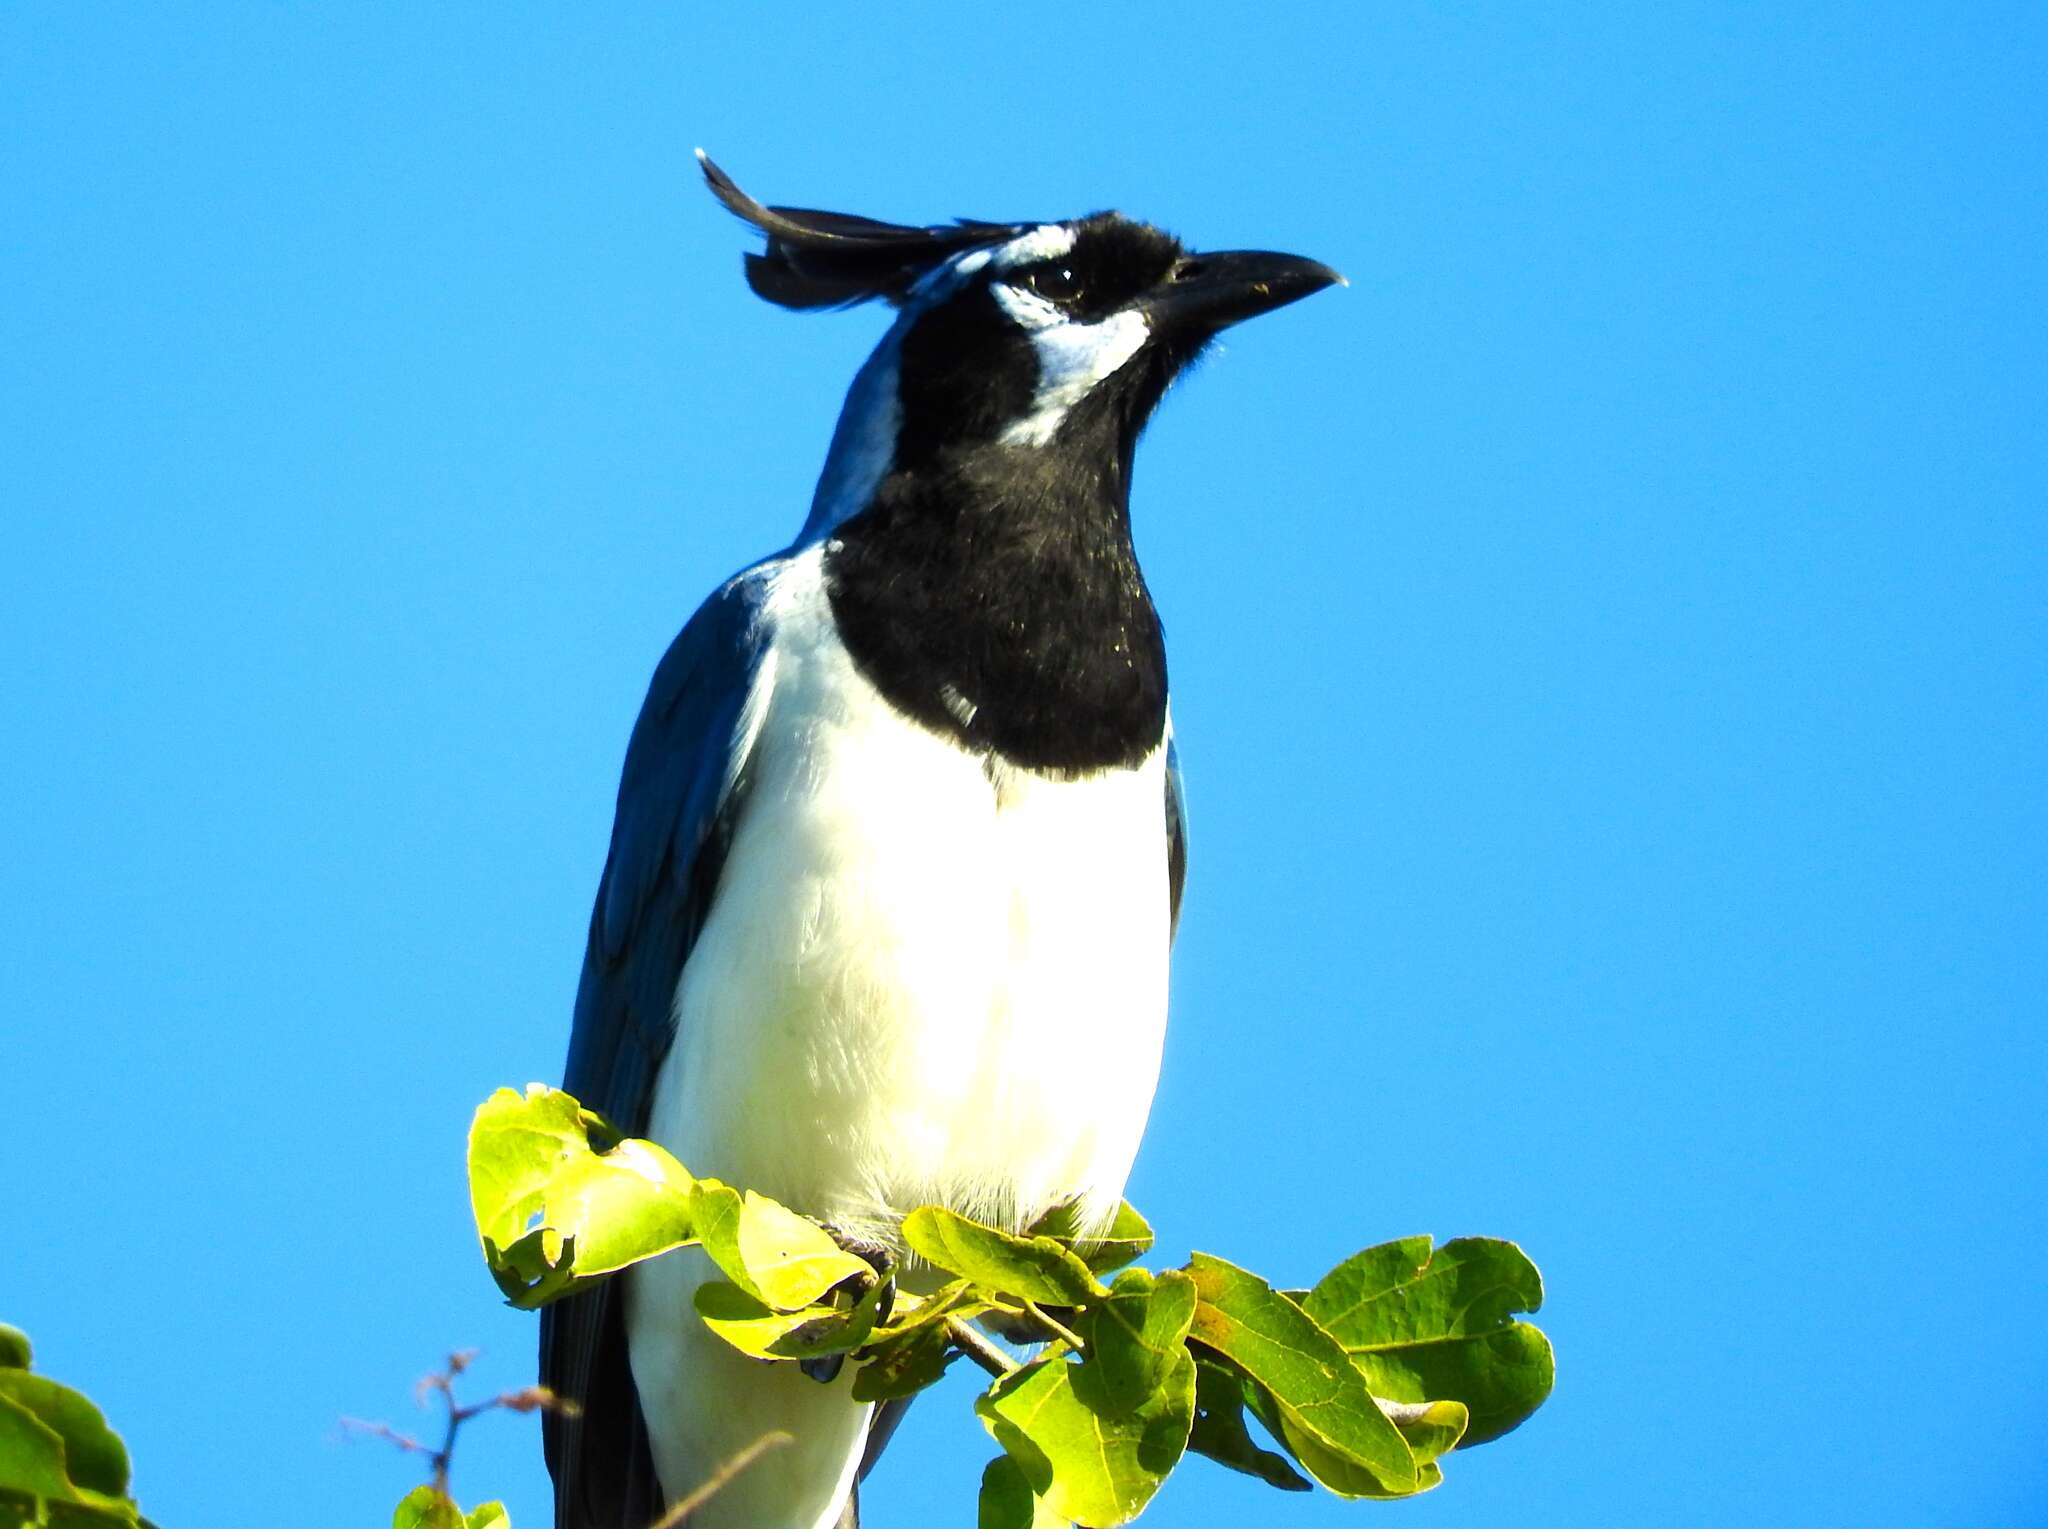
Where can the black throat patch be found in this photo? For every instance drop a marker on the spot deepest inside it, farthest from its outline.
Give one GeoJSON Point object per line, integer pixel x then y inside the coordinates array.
{"type": "Point", "coordinates": [991, 592]}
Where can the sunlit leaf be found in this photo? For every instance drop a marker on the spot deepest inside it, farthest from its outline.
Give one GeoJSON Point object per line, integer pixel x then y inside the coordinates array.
{"type": "Point", "coordinates": [1363, 1277]}
{"type": "Point", "coordinates": [531, 1159]}
{"type": "Point", "coordinates": [1432, 1429]}
{"type": "Point", "coordinates": [715, 1218]}
{"type": "Point", "coordinates": [31, 1454]}
{"type": "Point", "coordinates": [1500, 1377]}
{"type": "Point", "coordinates": [94, 1458]}
{"type": "Point", "coordinates": [1136, 1331]}
{"type": "Point", "coordinates": [1326, 1414]}
{"type": "Point", "coordinates": [1444, 1331]}
{"type": "Point", "coordinates": [425, 1508]}
{"type": "Point", "coordinates": [1089, 1467]}
{"type": "Point", "coordinates": [758, 1329]}
{"type": "Point", "coordinates": [1469, 1285]}
{"type": "Point", "coordinates": [1128, 1236]}
{"type": "Point", "coordinates": [792, 1260]}
{"type": "Point", "coordinates": [1339, 1472]}
{"type": "Point", "coordinates": [490, 1515]}
{"type": "Point", "coordinates": [1035, 1268]}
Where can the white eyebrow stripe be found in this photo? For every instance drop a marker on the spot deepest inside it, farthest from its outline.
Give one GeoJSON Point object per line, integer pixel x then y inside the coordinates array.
{"type": "Point", "coordinates": [1048, 241]}
{"type": "Point", "coordinates": [1072, 359]}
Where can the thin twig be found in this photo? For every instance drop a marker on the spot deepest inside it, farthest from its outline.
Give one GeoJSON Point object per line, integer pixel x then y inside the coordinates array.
{"type": "Point", "coordinates": [442, 1383]}
{"type": "Point", "coordinates": [718, 1479]}
{"type": "Point", "coordinates": [979, 1348]}
{"type": "Point", "coordinates": [386, 1432]}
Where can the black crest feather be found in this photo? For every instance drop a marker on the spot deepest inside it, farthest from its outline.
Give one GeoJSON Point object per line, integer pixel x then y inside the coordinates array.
{"type": "Point", "coordinates": [833, 259]}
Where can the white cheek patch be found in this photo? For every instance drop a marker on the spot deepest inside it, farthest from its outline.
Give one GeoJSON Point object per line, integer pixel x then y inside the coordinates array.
{"type": "Point", "coordinates": [1026, 308]}
{"type": "Point", "coordinates": [1072, 359]}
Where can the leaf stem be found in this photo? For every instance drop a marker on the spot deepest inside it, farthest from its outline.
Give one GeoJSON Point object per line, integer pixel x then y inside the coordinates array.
{"type": "Point", "coordinates": [1058, 1329]}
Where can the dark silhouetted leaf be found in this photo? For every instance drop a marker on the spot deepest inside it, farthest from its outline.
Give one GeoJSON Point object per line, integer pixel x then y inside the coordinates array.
{"type": "Point", "coordinates": [1221, 1434]}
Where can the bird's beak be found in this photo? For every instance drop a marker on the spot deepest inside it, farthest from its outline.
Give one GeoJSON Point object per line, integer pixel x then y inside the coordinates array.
{"type": "Point", "coordinates": [1205, 293]}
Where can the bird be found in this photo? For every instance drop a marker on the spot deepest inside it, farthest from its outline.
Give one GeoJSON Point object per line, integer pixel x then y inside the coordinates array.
{"type": "Point", "coordinates": [900, 841]}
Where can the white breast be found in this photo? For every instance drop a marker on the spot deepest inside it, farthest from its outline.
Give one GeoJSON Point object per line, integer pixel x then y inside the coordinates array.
{"type": "Point", "coordinates": [921, 980]}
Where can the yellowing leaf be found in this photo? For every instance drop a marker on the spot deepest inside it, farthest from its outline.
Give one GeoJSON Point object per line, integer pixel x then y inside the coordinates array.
{"type": "Point", "coordinates": [791, 1259]}
{"type": "Point", "coordinates": [531, 1158]}
{"type": "Point", "coordinates": [425, 1508]}
{"type": "Point", "coordinates": [756, 1328]}
{"type": "Point", "coordinates": [1088, 1467]}
{"type": "Point", "coordinates": [1035, 1268]}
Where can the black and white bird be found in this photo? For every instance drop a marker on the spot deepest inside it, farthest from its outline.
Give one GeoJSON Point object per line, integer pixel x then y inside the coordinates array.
{"type": "Point", "coordinates": [900, 829]}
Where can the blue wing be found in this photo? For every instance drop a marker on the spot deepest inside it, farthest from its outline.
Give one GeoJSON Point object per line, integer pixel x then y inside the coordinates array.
{"type": "Point", "coordinates": [684, 781]}
{"type": "Point", "coordinates": [1176, 834]}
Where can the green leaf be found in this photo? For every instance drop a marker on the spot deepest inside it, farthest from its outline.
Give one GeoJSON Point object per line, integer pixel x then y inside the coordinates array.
{"type": "Point", "coordinates": [1432, 1430]}
{"type": "Point", "coordinates": [758, 1329]}
{"type": "Point", "coordinates": [1325, 1413]}
{"type": "Point", "coordinates": [31, 1455]}
{"type": "Point", "coordinates": [490, 1515]}
{"type": "Point", "coordinates": [1221, 1434]}
{"type": "Point", "coordinates": [791, 1259]}
{"type": "Point", "coordinates": [1134, 1334]}
{"type": "Point", "coordinates": [1007, 1501]}
{"type": "Point", "coordinates": [1499, 1377]}
{"type": "Point", "coordinates": [1035, 1268]}
{"type": "Point", "coordinates": [1338, 1472]}
{"type": "Point", "coordinates": [54, 1514]}
{"type": "Point", "coordinates": [1364, 1277]}
{"type": "Point", "coordinates": [715, 1217]}
{"type": "Point", "coordinates": [531, 1158]}
{"type": "Point", "coordinates": [94, 1458]}
{"type": "Point", "coordinates": [904, 1365]}
{"type": "Point", "coordinates": [1471, 1285]}
{"type": "Point", "coordinates": [15, 1351]}
{"type": "Point", "coordinates": [780, 1258]}
{"type": "Point", "coordinates": [425, 1508]}
{"type": "Point", "coordinates": [1089, 1467]}
{"type": "Point", "coordinates": [1443, 1330]}
{"type": "Point", "coordinates": [1128, 1236]}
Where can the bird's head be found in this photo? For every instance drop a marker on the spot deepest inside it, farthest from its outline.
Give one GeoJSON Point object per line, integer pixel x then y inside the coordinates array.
{"type": "Point", "coordinates": [1013, 340]}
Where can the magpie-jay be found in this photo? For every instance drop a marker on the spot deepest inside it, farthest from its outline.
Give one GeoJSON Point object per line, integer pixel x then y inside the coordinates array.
{"type": "Point", "coordinates": [899, 844]}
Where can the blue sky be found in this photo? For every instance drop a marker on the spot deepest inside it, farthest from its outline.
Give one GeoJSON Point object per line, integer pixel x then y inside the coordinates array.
{"type": "Point", "coordinates": [1607, 646]}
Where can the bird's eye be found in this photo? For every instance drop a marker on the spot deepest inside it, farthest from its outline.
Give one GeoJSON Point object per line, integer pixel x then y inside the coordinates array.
{"type": "Point", "coordinates": [1055, 283]}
